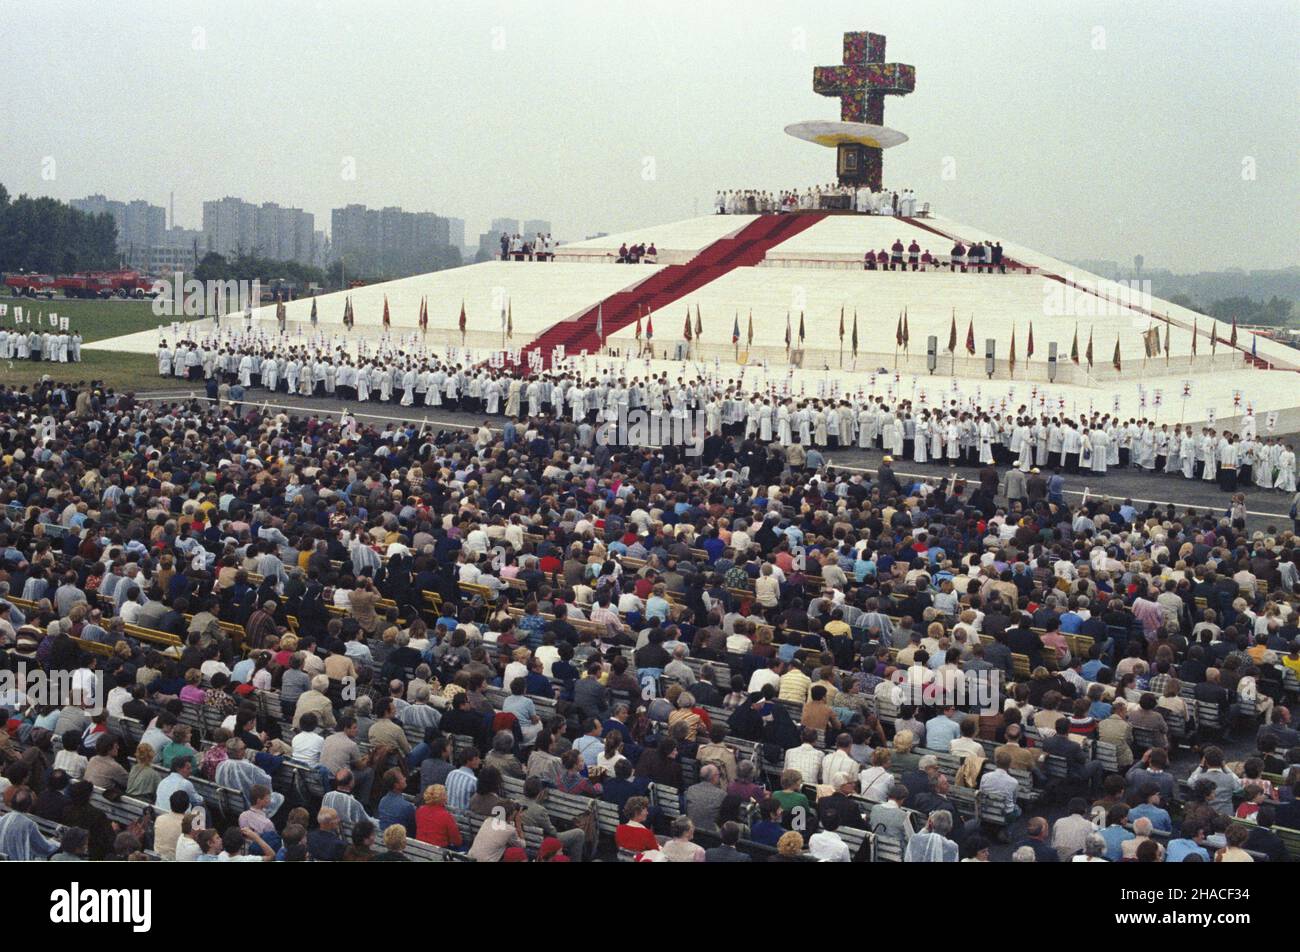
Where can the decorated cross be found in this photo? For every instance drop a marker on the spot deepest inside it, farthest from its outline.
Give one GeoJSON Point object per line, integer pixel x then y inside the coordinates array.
{"type": "Point", "coordinates": [862, 83]}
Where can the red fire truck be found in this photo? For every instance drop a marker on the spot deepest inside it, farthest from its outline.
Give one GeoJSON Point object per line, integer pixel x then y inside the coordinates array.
{"type": "Point", "coordinates": [106, 284]}
{"type": "Point", "coordinates": [30, 285]}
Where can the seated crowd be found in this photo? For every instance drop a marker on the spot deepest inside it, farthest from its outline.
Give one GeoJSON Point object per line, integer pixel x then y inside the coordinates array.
{"type": "Point", "coordinates": [280, 641]}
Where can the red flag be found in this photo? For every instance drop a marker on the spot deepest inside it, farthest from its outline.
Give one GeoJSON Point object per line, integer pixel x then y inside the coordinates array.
{"type": "Point", "coordinates": [970, 338]}
{"type": "Point", "coordinates": [1012, 359]}
{"type": "Point", "coordinates": [952, 334]}
{"type": "Point", "coordinates": [461, 322]}
{"type": "Point", "coordinates": [687, 330]}
{"type": "Point", "coordinates": [898, 332]}
{"type": "Point", "coordinates": [1029, 347]}
{"type": "Point", "coordinates": [386, 320]}
{"type": "Point", "coordinates": [749, 333]}
{"type": "Point", "coordinates": [424, 314]}
{"type": "Point", "coordinates": [638, 323]}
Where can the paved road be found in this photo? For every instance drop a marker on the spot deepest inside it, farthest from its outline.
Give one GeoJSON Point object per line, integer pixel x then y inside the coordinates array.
{"type": "Point", "coordinates": [1265, 508]}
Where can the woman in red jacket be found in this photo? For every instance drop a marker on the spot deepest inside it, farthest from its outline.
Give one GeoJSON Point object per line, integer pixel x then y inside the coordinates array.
{"type": "Point", "coordinates": [433, 822]}
{"type": "Point", "coordinates": [632, 834]}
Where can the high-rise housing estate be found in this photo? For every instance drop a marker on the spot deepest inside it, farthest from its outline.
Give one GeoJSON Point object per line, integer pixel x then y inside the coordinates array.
{"type": "Point", "coordinates": [388, 241]}
{"type": "Point", "coordinates": [139, 224]}
{"type": "Point", "coordinates": [456, 232]}
{"type": "Point", "coordinates": [232, 226]}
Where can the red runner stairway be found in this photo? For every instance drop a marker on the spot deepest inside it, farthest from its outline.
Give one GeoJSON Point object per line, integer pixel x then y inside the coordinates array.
{"type": "Point", "coordinates": [745, 249]}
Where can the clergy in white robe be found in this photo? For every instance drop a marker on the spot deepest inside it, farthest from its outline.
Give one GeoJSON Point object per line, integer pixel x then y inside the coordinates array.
{"type": "Point", "coordinates": [1101, 447]}
{"type": "Point", "coordinates": [1187, 444]}
{"type": "Point", "coordinates": [866, 428]}
{"type": "Point", "coordinates": [986, 441]}
{"type": "Point", "coordinates": [1285, 478]}
{"type": "Point", "coordinates": [847, 420]}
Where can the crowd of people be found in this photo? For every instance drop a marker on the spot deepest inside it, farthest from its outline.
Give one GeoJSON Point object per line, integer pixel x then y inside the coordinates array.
{"type": "Point", "coordinates": [637, 253]}
{"type": "Point", "coordinates": [957, 431]}
{"type": "Point", "coordinates": [58, 347]}
{"type": "Point", "coordinates": [748, 654]}
{"type": "Point", "coordinates": [899, 203]}
{"type": "Point", "coordinates": [535, 248]}
{"type": "Point", "coordinates": [978, 258]}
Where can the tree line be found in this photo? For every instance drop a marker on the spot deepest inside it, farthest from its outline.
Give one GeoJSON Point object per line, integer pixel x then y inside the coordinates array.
{"type": "Point", "coordinates": [49, 236]}
{"type": "Point", "coordinates": [247, 267]}
{"type": "Point", "coordinates": [1275, 312]}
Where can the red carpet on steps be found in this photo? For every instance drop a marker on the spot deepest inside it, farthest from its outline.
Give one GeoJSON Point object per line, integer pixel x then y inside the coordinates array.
{"type": "Point", "coordinates": [669, 285]}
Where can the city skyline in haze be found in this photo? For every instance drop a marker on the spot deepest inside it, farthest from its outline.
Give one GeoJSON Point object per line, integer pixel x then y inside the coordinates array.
{"type": "Point", "coordinates": [1085, 130]}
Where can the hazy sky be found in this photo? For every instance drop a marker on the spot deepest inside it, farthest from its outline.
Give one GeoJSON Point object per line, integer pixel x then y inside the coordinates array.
{"type": "Point", "coordinates": [1084, 129]}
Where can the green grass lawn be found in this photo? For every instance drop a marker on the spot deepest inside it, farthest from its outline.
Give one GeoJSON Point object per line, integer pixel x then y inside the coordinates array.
{"type": "Point", "coordinates": [95, 320]}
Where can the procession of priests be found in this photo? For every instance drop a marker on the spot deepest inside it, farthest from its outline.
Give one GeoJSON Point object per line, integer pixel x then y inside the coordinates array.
{"type": "Point", "coordinates": [961, 431]}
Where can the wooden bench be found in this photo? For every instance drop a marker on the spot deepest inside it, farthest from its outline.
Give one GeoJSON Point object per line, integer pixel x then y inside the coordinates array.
{"type": "Point", "coordinates": [420, 852]}
{"type": "Point", "coordinates": [152, 636]}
